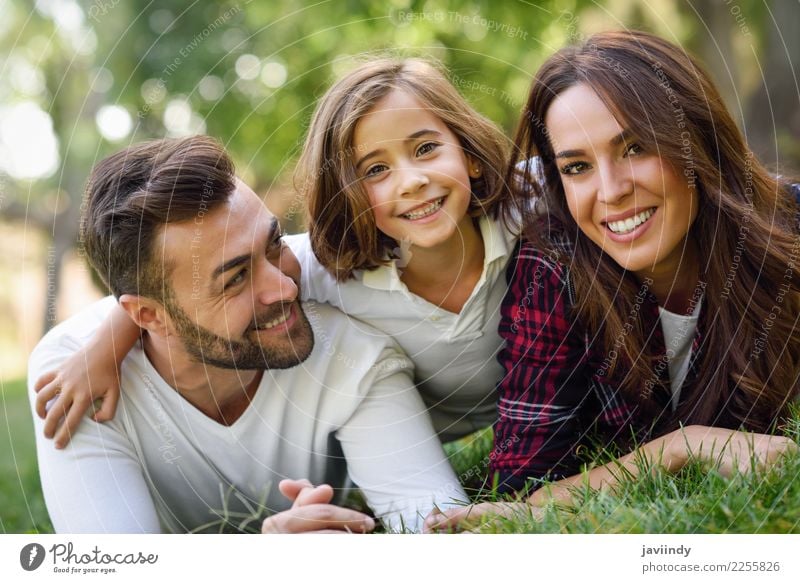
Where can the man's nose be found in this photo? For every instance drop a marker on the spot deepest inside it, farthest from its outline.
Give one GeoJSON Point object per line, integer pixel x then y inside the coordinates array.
{"type": "Point", "coordinates": [273, 285]}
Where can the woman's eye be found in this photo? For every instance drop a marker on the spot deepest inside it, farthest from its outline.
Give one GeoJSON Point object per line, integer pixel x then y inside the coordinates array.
{"type": "Point", "coordinates": [575, 168]}
{"type": "Point", "coordinates": [375, 170]}
{"type": "Point", "coordinates": [633, 149]}
{"type": "Point", "coordinates": [427, 148]}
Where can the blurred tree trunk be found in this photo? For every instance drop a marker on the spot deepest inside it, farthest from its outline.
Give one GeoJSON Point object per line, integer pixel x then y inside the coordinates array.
{"type": "Point", "coordinates": [715, 49]}
{"type": "Point", "coordinates": [75, 109]}
{"type": "Point", "coordinates": [773, 112]}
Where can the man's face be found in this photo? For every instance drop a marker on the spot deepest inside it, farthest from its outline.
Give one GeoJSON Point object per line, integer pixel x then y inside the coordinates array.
{"type": "Point", "coordinates": [232, 296]}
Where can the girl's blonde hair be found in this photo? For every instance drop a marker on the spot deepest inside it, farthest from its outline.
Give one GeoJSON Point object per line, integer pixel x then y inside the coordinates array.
{"type": "Point", "coordinates": [342, 227]}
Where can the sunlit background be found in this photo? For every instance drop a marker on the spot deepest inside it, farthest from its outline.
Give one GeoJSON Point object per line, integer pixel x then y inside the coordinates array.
{"type": "Point", "coordinates": [79, 80]}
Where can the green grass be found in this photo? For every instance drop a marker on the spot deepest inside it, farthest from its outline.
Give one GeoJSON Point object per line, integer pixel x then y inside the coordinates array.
{"type": "Point", "coordinates": [22, 508]}
{"type": "Point", "coordinates": [693, 501]}
{"type": "Point", "coordinates": [696, 500]}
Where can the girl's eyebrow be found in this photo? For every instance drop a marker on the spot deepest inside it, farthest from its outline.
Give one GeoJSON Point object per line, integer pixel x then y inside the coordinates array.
{"type": "Point", "coordinates": [621, 137]}
{"type": "Point", "coordinates": [411, 137]}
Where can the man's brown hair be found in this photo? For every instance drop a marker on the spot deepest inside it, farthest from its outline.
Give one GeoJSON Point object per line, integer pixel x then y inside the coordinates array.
{"type": "Point", "coordinates": [132, 194]}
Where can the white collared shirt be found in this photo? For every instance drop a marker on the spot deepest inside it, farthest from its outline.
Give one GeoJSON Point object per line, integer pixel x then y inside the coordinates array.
{"type": "Point", "coordinates": [454, 354]}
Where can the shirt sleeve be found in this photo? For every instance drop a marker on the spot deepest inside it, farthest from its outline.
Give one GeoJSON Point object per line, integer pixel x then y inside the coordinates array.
{"type": "Point", "coordinates": [96, 484]}
{"type": "Point", "coordinates": [544, 384]}
{"type": "Point", "coordinates": [392, 451]}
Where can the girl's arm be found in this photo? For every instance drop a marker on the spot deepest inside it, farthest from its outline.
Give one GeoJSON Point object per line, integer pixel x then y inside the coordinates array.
{"type": "Point", "coordinates": [89, 375]}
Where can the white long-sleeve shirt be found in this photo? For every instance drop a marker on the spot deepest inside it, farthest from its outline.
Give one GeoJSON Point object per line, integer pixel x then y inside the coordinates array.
{"type": "Point", "coordinates": [454, 355]}
{"type": "Point", "coordinates": [162, 465]}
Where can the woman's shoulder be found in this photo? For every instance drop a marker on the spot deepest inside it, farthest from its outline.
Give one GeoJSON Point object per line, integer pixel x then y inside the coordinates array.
{"type": "Point", "coordinates": [539, 268]}
{"type": "Point", "coordinates": [546, 243]}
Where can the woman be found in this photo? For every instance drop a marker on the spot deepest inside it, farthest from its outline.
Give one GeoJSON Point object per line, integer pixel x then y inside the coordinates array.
{"type": "Point", "coordinates": [657, 297]}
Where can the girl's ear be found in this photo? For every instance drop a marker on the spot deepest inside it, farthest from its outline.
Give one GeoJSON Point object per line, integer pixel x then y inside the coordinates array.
{"type": "Point", "coordinates": [474, 167]}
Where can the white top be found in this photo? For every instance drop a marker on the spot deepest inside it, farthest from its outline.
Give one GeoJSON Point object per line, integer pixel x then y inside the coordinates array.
{"type": "Point", "coordinates": [454, 354]}
{"type": "Point", "coordinates": [162, 465]}
{"type": "Point", "coordinates": [678, 337]}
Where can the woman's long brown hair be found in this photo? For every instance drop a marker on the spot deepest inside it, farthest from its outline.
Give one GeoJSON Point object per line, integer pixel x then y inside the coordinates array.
{"type": "Point", "coordinates": [745, 231]}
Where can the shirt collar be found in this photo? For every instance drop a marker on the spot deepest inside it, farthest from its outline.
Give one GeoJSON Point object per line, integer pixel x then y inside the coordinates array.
{"type": "Point", "coordinates": [497, 245]}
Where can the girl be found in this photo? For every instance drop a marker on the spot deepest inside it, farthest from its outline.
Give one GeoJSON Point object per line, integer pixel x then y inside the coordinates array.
{"type": "Point", "coordinates": [404, 183]}
{"type": "Point", "coordinates": [658, 296]}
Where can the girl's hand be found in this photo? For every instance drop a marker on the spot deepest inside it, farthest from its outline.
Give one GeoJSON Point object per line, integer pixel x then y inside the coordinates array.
{"type": "Point", "coordinates": [84, 379]}
{"type": "Point", "coordinates": [728, 450]}
{"type": "Point", "coordinates": [472, 516]}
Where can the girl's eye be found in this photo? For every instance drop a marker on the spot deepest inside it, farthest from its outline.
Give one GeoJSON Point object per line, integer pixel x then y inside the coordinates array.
{"type": "Point", "coordinates": [633, 149]}
{"type": "Point", "coordinates": [575, 168]}
{"type": "Point", "coordinates": [426, 148]}
{"type": "Point", "coordinates": [375, 170]}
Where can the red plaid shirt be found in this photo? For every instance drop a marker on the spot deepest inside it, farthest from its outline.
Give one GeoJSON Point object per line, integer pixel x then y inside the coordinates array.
{"type": "Point", "coordinates": [555, 396]}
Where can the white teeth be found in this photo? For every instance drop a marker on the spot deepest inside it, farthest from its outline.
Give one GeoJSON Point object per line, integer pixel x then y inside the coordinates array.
{"type": "Point", "coordinates": [629, 224]}
{"type": "Point", "coordinates": [273, 323]}
{"type": "Point", "coordinates": [424, 211]}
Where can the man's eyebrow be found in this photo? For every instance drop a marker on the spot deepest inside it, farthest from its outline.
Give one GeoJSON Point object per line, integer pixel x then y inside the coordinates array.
{"type": "Point", "coordinates": [621, 137]}
{"type": "Point", "coordinates": [411, 137]}
{"type": "Point", "coordinates": [274, 231]}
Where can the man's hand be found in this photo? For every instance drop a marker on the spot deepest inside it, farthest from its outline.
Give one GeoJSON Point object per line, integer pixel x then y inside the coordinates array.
{"type": "Point", "coordinates": [312, 512]}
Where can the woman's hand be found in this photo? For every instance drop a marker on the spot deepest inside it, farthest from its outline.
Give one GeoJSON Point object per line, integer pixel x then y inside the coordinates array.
{"type": "Point", "coordinates": [728, 450]}
{"type": "Point", "coordinates": [473, 516]}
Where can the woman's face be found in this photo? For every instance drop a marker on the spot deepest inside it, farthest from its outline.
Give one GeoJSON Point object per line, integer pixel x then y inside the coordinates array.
{"type": "Point", "coordinates": [629, 201]}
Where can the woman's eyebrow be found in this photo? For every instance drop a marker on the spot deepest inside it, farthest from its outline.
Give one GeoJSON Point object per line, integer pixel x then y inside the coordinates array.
{"type": "Point", "coordinates": [620, 138]}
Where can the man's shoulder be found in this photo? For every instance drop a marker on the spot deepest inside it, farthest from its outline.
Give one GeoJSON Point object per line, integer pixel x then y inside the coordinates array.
{"type": "Point", "coordinates": [341, 340]}
{"type": "Point", "coordinates": [77, 329]}
{"type": "Point", "coordinates": [328, 320]}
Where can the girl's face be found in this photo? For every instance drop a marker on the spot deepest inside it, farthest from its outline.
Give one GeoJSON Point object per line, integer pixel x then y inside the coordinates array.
{"type": "Point", "coordinates": [628, 200]}
{"type": "Point", "coordinates": [414, 170]}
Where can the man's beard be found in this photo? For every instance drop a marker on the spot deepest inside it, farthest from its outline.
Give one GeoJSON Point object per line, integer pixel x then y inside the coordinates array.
{"type": "Point", "coordinates": [208, 348]}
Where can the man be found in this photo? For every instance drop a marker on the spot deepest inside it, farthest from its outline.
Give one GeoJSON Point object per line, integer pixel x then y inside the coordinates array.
{"type": "Point", "coordinates": [235, 386]}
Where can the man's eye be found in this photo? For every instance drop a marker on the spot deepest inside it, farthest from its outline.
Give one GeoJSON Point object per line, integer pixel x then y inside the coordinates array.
{"type": "Point", "coordinates": [276, 248]}
{"type": "Point", "coordinates": [426, 148]}
{"type": "Point", "coordinates": [236, 279]}
{"type": "Point", "coordinates": [575, 168]}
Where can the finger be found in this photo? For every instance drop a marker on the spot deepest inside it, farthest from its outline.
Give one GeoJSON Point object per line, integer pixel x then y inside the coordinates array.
{"type": "Point", "coordinates": [448, 520]}
{"type": "Point", "coordinates": [73, 419]}
{"type": "Point", "coordinates": [318, 517]}
{"type": "Point", "coordinates": [322, 494]}
{"type": "Point", "coordinates": [44, 396]}
{"type": "Point", "coordinates": [291, 488]}
{"type": "Point", "coordinates": [108, 408]}
{"type": "Point", "coordinates": [58, 411]}
{"type": "Point", "coordinates": [45, 380]}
